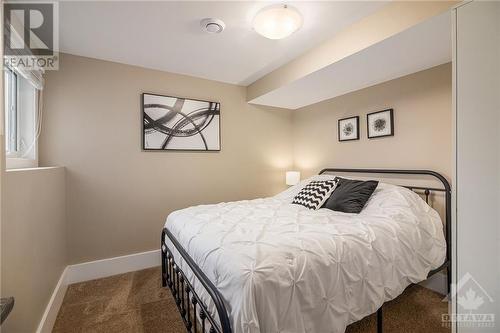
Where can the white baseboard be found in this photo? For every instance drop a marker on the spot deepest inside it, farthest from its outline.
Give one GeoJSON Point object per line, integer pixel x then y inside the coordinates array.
{"type": "Point", "coordinates": [107, 267]}
{"type": "Point", "coordinates": [55, 302]}
{"type": "Point", "coordinates": [90, 271]}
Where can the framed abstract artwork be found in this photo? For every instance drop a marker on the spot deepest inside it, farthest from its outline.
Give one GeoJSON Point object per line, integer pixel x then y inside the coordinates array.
{"type": "Point", "coordinates": [176, 123]}
{"type": "Point", "coordinates": [348, 129]}
{"type": "Point", "coordinates": [380, 124]}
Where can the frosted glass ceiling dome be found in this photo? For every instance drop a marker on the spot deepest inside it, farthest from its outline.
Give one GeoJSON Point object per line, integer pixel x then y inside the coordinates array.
{"type": "Point", "coordinates": [277, 21]}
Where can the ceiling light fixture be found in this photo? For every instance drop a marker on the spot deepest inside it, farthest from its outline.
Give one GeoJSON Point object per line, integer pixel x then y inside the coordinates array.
{"type": "Point", "coordinates": [277, 22]}
{"type": "Point", "coordinates": [212, 25]}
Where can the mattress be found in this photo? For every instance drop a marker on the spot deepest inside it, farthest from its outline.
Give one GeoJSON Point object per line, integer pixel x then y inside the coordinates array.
{"type": "Point", "coordinates": [284, 268]}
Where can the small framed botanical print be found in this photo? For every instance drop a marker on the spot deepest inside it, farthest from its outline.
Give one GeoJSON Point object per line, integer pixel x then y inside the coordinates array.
{"type": "Point", "coordinates": [380, 123]}
{"type": "Point", "coordinates": [348, 129]}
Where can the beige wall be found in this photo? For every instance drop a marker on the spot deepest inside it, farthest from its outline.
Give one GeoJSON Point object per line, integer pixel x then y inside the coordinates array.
{"type": "Point", "coordinates": [422, 114]}
{"type": "Point", "coordinates": [33, 242]}
{"type": "Point", "coordinates": [119, 196]}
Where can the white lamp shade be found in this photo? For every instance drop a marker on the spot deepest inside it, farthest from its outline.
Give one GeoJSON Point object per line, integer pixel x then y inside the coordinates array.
{"type": "Point", "coordinates": [292, 177]}
{"type": "Point", "coordinates": [277, 22]}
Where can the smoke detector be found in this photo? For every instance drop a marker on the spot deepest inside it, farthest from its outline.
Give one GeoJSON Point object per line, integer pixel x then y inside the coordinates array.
{"type": "Point", "coordinates": [212, 25]}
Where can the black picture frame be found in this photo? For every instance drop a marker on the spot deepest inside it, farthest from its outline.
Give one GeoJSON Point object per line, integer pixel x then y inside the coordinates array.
{"type": "Point", "coordinates": [354, 118]}
{"type": "Point", "coordinates": [391, 124]}
{"type": "Point", "coordinates": [143, 126]}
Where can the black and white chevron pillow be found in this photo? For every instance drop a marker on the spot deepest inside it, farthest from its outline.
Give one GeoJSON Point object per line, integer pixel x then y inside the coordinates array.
{"type": "Point", "coordinates": [314, 194]}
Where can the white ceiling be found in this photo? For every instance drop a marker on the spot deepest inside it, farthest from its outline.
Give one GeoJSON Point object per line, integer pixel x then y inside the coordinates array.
{"type": "Point", "coordinates": [167, 36]}
{"type": "Point", "coordinates": [420, 47]}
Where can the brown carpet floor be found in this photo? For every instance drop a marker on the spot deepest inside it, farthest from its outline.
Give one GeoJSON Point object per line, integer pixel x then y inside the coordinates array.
{"type": "Point", "coordinates": [136, 302]}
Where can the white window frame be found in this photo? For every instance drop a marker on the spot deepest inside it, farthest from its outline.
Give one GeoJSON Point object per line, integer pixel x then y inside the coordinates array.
{"type": "Point", "coordinates": [9, 114]}
{"type": "Point", "coordinates": [15, 159]}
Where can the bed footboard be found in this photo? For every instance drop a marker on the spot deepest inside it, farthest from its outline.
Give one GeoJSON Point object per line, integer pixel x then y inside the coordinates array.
{"type": "Point", "coordinates": [193, 310]}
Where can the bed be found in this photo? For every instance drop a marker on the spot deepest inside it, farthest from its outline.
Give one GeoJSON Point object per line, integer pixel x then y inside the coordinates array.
{"type": "Point", "coordinates": [267, 265]}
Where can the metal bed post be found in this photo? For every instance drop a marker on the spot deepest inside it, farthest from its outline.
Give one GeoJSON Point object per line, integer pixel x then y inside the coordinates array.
{"type": "Point", "coordinates": [380, 320]}
{"type": "Point", "coordinates": [163, 259]}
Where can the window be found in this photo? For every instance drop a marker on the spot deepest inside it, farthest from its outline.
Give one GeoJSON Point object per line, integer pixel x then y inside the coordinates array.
{"type": "Point", "coordinates": [20, 121]}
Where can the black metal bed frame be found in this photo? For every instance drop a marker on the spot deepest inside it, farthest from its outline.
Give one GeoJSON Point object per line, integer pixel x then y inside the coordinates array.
{"type": "Point", "coordinates": [195, 313]}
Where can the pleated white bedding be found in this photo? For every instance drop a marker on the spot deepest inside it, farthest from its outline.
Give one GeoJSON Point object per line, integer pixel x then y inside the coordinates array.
{"type": "Point", "coordinates": [284, 268]}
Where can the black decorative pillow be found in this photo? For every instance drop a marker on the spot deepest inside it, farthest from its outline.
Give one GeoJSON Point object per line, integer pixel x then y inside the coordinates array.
{"type": "Point", "coordinates": [350, 196]}
{"type": "Point", "coordinates": [314, 194]}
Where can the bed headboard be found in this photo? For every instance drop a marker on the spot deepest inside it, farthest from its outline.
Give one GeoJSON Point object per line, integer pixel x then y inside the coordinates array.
{"type": "Point", "coordinates": [424, 190]}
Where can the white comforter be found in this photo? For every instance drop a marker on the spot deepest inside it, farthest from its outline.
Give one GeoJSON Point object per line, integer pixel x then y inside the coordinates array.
{"type": "Point", "coordinates": [284, 268]}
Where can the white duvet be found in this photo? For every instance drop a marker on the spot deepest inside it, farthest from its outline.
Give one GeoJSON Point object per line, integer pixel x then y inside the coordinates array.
{"type": "Point", "coordinates": [283, 268]}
